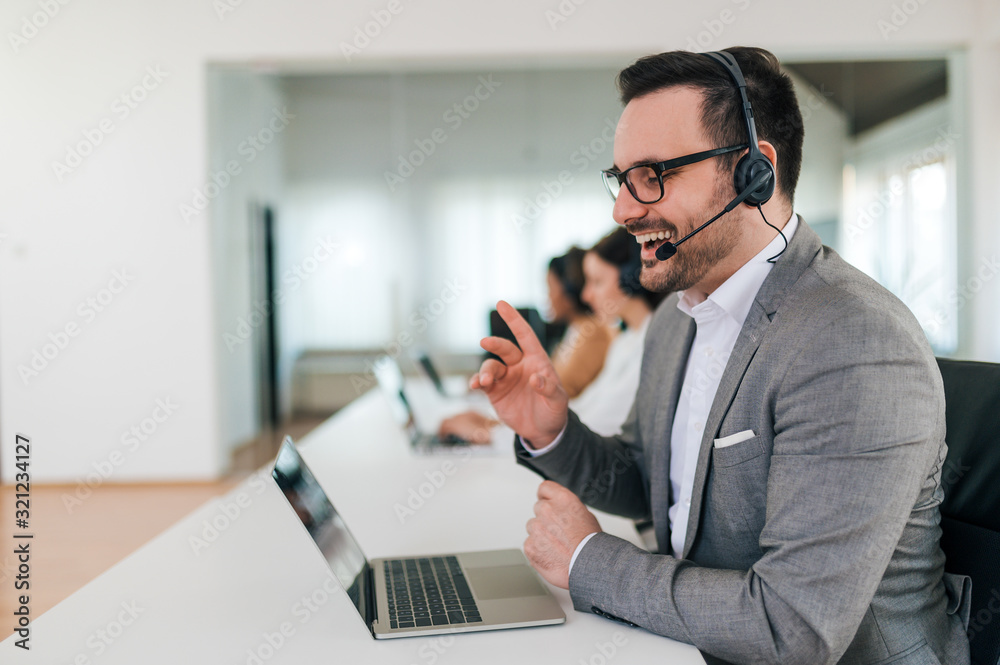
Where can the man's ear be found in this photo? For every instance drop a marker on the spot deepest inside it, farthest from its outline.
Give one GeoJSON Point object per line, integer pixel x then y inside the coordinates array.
{"type": "Point", "coordinates": [768, 151]}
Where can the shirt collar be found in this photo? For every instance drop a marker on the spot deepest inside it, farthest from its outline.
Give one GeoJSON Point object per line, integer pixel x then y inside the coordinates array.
{"type": "Point", "coordinates": [735, 295]}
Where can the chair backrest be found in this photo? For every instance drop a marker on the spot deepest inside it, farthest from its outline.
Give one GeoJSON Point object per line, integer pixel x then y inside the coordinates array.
{"type": "Point", "coordinates": [970, 513]}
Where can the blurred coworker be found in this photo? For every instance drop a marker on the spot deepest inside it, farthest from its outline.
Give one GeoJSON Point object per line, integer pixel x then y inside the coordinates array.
{"type": "Point", "coordinates": [613, 291]}
{"type": "Point", "coordinates": [579, 356]}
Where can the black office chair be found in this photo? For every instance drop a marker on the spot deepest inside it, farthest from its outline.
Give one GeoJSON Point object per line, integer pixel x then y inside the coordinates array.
{"type": "Point", "coordinates": [970, 513]}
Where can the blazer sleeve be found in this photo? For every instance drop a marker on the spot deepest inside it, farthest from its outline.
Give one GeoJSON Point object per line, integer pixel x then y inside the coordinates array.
{"type": "Point", "coordinates": [858, 430]}
{"type": "Point", "coordinates": [607, 473]}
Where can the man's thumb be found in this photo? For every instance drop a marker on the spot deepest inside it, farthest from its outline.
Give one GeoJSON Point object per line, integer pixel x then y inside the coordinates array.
{"type": "Point", "coordinates": [542, 385]}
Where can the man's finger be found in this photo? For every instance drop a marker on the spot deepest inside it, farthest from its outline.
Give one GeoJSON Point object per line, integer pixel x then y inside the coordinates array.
{"type": "Point", "coordinates": [522, 331]}
{"type": "Point", "coordinates": [504, 348]}
{"type": "Point", "coordinates": [492, 370]}
{"type": "Point", "coordinates": [544, 385]}
{"type": "Point", "coordinates": [550, 489]}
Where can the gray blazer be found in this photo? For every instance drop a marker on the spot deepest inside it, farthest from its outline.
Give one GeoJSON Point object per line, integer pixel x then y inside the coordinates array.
{"type": "Point", "coordinates": [815, 541]}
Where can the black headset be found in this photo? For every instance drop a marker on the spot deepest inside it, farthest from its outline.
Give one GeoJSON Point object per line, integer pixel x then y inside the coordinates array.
{"type": "Point", "coordinates": [628, 272]}
{"type": "Point", "coordinates": [754, 163]}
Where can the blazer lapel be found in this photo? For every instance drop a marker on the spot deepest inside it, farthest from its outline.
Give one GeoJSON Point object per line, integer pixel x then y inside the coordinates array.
{"type": "Point", "coordinates": [804, 246]}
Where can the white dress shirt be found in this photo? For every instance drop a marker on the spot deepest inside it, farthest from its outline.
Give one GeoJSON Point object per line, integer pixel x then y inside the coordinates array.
{"type": "Point", "coordinates": [718, 319]}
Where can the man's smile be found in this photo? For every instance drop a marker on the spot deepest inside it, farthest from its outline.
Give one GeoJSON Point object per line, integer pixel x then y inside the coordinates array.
{"type": "Point", "coordinates": [651, 240]}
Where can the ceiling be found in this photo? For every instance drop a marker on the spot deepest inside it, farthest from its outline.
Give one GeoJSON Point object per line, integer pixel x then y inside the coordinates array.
{"type": "Point", "coordinates": [872, 92]}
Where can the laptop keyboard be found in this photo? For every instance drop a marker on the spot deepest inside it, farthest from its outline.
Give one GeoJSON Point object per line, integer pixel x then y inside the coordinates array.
{"type": "Point", "coordinates": [428, 592]}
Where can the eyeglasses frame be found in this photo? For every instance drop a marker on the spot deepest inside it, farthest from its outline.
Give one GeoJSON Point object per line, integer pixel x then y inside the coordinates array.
{"type": "Point", "coordinates": [659, 168]}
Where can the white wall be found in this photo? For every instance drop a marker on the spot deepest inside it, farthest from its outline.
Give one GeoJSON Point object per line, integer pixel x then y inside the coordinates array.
{"type": "Point", "coordinates": [248, 123]}
{"type": "Point", "coordinates": [818, 195]}
{"type": "Point", "coordinates": [157, 339]}
{"type": "Point", "coordinates": [458, 182]}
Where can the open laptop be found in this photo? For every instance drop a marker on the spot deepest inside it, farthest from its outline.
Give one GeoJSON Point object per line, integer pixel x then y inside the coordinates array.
{"type": "Point", "coordinates": [427, 365]}
{"type": "Point", "coordinates": [449, 593]}
{"type": "Point", "coordinates": [390, 382]}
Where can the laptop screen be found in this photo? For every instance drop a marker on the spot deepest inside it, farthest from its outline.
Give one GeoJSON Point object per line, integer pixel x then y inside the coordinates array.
{"type": "Point", "coordinates": [390, 382]}
{"type": "Point", "coordinates": [321, 520]}
{"type": "Point", "coordinates": [431, 371]}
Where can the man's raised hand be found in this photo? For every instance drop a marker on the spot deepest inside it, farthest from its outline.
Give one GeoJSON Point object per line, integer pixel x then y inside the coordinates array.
{"type": "Point", "coordinates": [524, 389]}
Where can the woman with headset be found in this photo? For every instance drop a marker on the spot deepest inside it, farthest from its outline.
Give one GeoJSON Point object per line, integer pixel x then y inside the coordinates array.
{"type": "Point", "coordinates": [612, 290]}
{"type": "Point", "coordinates": [579, 356]}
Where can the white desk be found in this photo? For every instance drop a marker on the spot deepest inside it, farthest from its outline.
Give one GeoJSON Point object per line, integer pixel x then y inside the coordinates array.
{"type": "Point", "coordinates": [243, 596]}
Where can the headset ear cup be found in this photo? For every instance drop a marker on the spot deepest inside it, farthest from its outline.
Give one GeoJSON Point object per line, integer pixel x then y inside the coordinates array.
{"type": "Point", "coordinates": [628, 274]}
{"type": "Point", "coordinates": [746, 170]}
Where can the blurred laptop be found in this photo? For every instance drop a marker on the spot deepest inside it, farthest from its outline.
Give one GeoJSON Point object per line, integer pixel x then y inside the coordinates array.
{"type": "Point", "coordinates": [406, 597]}
{"type": "Point", "coordinates": [424, 362]}
{"type": "Point", "coordinates": [391, 384]}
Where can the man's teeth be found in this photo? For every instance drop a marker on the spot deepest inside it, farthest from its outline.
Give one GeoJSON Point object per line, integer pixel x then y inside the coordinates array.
{"type": "Point", "coordinates": [648, 237]}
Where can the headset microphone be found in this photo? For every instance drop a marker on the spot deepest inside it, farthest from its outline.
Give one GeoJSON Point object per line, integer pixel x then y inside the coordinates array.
{"type": "Point", "coordinates": [668, 249]}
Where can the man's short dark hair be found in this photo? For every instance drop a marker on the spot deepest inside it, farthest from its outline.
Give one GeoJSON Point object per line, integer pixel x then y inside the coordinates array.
{"type": "Point", "coordinates": [771, 93]}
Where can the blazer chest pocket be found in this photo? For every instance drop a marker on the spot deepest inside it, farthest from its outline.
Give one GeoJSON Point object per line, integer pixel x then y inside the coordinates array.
{"type": "Point", "coordinates": [736, 498]}
{"type": "Point", "coordinates": [737, 453]}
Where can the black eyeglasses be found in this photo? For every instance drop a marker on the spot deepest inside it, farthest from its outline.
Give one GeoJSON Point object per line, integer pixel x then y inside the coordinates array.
{"type": "Point", "coordinates": [645, 181]}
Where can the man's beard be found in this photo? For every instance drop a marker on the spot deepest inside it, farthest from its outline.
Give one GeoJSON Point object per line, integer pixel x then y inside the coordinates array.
{"type": "Point", "coordinates": [696, 256]}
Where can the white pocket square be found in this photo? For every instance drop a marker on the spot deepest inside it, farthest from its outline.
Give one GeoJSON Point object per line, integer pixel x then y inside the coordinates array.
{"type": "Point", "coordinates": [733, 439]}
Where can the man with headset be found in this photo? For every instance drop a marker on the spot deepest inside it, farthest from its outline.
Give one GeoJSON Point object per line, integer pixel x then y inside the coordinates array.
{"type": "Point", "coordinates": [787, 437]}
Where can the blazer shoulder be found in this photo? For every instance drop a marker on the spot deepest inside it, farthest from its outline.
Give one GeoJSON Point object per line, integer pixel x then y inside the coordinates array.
{"type": "Point", "coordinates": [833, 296]}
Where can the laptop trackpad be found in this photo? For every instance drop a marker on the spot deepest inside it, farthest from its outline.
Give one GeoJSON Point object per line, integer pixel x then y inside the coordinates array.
{"type": "Point", "coordinates": [497, 583]}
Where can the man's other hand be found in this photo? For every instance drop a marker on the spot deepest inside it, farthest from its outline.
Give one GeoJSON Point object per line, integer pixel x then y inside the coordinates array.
{"type": "Point", "coordinates": [524, 388]}
{"type": "Point", "coordinates": [561, 521]}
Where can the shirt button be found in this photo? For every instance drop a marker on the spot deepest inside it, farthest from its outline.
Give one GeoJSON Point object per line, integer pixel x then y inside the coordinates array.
{"type": "Point", "coordinates": [709, 351]}
{"type": "Point", "coordinates": [687, 503]}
